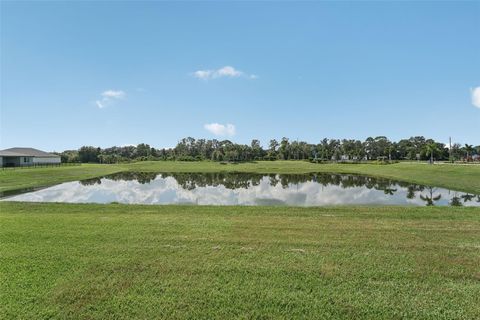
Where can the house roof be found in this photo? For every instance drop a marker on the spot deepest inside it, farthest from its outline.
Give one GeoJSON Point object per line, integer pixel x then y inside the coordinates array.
{"type": "Point", "coordinates": [26, 152]}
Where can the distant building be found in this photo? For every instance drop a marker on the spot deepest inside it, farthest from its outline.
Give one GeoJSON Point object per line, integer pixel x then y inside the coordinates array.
{"type": "Point", "coordinates": [19, 157]}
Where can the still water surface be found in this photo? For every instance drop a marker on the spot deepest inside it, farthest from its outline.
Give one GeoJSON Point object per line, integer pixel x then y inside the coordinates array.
{"type": "Point", "coordinates": [247, 189]}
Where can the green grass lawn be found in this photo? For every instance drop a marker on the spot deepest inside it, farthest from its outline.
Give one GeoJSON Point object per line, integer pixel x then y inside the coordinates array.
{"type": "Point", "coordinates": [176, 262]}
{"type": "Point", "coordinates": [456, 177]}
{"type": "Point", "coordinates": [112, 261]}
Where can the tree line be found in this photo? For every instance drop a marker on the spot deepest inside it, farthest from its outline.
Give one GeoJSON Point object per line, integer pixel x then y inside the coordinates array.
{"type": "Point", "coordinates": [191, 149]}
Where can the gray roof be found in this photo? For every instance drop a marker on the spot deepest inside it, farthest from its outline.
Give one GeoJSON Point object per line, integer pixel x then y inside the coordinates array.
{"type": "Point", "coordinates": [26, 152]}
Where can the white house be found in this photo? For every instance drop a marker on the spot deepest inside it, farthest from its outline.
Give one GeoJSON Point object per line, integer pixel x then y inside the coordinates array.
{"type": "Point", "coordinates": [18, 157]}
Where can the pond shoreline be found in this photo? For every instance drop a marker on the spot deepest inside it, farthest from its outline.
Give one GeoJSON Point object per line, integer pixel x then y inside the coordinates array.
{"type": "Point", "coordinates": [461, 178]}
{"type": "Point", "coordinates": [245, 189]}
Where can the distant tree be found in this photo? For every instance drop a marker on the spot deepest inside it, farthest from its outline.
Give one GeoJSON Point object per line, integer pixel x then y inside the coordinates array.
{"type": "Point", "coordinates": [390, 150]}
{"type": "Point", "coordinates": [143, 150]}
{"type": "Point", "coordinates": [369, 147]}
{"type": "Point", "coordinates": [256, 150]}
{"type": "Point", "coordinates": [334, 149]}
{"type": "Point", "coordinates": [273, 145]}
{"type": "Point", "coordinates": [88, 154]}
{"type": "Point", "coordinates": [69, 156]}
{"type": "Point", "coordinates": [192, 149]}
{"type": "Point", "coordinates": [382, 145]}
{"type": "Point", "coordinates": [456, 151]}
{"type": "Point", "coordinates": [323, 149]}
{"type": "Point", "coordinates": [431, 149]}
{"type": "Point", "coordinates": [272, 149]}
{"type": "Point", "coordinates": [469, 150]}
{"type": "Point", "coordinates": [284, 149]}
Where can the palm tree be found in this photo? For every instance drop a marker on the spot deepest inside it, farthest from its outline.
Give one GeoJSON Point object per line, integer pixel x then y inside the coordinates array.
{"type": "Point", "coordinates": [469, 149]}
{"type": "Point", "coordinates": [431, 148]}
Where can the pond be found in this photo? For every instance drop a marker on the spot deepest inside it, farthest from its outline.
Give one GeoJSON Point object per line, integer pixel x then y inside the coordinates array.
{"type": "Point", "coordinates": [312, 189]}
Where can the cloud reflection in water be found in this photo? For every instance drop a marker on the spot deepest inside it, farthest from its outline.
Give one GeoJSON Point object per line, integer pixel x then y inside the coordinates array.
{"type": "Point", "coordinates": [247, 189]}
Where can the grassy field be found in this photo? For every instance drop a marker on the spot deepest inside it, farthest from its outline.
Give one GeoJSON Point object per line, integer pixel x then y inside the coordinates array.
{"type": "Point", "coordinates": [14, 179]}
{"type": "Point", "coordinates": [456, 177]}
{"type": "Point", "coordinates": [177, 262]}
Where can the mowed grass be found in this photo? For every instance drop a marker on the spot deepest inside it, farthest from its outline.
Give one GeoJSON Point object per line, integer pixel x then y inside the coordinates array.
{"type": "Point", "coordinates": [87, 261]}
{"type": "Point", "coordinates": [15, 179]}
{"type": "Point", "coordinates": [457, 177]}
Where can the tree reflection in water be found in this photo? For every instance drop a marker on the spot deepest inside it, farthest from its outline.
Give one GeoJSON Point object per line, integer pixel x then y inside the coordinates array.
{"type": "Point", "coordinates": [456, 201]}
{"type": "Point", "coordinates": [430, 199]}
{"type": "Point", "coordinates": [467, 197]}
{"type": "Point", "coordinates": [412, 190]}
{"type": "Point", "coordinates": [235, 180]}
{"type": "Point", "coordinates": [91, 182]}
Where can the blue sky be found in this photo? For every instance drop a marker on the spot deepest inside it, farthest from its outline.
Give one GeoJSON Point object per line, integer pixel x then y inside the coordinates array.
{"type": "Point", "coordinates": [118, 73]}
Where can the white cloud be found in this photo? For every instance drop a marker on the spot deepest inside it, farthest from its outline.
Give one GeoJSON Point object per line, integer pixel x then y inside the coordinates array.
{"type": "Point", "coordinates": [227, 71]}
{"type": "Point", "coordinates": [203, 74]}
{"type": "Point", "coordinates": [109, 97]}
{"type": "Point", "coordinates": [476, 96]}
{"type": "Point", "coordinates": [220, 129]}
{"type": "Point", "coordinates": [113, 94]}
{"type": "Point", "coordinates": [100, 104]}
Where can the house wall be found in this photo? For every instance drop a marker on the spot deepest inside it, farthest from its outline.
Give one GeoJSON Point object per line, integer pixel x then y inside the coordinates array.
{"type": "Point", "coordinates": [1, 161]}
{"type": "Point", "coordinates": [25, 161]}
{"type": "Point", "coordinates": [38, 160]}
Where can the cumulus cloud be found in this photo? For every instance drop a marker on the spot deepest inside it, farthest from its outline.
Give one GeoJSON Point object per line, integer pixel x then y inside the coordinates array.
{"type": "Point", "coordinates": [229, 71]}
{"type": "Point", "coordinates": [476, 97]}
{"type": "Point", "coordinates": [220, 129]}
{"type": "Point", "coordinates": [109, 97]}
{"type": "Point", "coordinates": [113, 94]}
{"type": "Point", "coordinates": [203, 74]}
{"type": "Point", "coordinates": [224, 72]}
